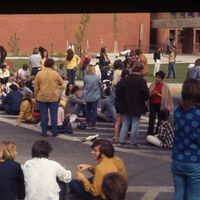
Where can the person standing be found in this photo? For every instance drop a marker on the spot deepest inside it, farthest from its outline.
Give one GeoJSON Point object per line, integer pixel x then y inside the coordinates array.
{"type": "Point", "coordinates": [42, 175]}
{"type": "Point", "coordinates": [11, 175]}
{"type": "Point", "coordinates": [46, 83]}
{"type": "Point", "coordinates": [91, 95]}
{"type": "Point", "coordinates": [85, 61]}
{"type": "Point", "coordinates": [159, 99]}
{"type": "Point", "coordinates": [35, 61]}
{"type": "Point", "coordinates": [118, 106]}
{"type": "Point", "coordinates": [72, 62]}
{"type": "Point", "coordinates": [157, 60]}
{"type": "Point", "coordinates": [172, 63]}
{"type": "Point", "coordinates": [143, 60]}
{"type": "Point", "coordinates": [104, 63]}
{"type": "Point", "coordinates": [134, 92]}
{"type": "Point", "coordinates": [3, 54]}
{"type": "Point", "coordinates": [185, 166]}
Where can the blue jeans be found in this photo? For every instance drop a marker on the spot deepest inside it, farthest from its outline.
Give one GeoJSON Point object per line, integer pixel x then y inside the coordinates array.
{"type": "Point", "coordinates": [186, 177]}
{"type": "Point", "coordinates": [44, 106]}
{"type": "Point", "coordinates": [71, 75]}
{"type": "Point", "coordinates": [127, 121]}
{"type": "Point", "coordinates": [91, 112]}
{"type": "Point", "coordinates": [35, 70]}
{"type": "Point", "coordinates": [171, 68]}
{"type": "Point", "coordinates": [79, 108]}
{"type": "Point", "coordinates": [77, 188]}
{"type": "Point", "coordinates": [108, 109]}
{"type": "Point", "coordinates": [83, 73]}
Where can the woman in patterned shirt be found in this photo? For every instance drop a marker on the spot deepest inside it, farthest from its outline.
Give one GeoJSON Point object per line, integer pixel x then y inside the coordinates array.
{"type": "Point", "coordinates": [164, 138]}
{"type": "Point", "coordinates": [186, 148]}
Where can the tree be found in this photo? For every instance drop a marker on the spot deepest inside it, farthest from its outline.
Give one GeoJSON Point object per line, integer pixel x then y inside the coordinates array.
{"type": "Point", "coordinates": [82, 32]}
{"type": "Point", "coordinates": [13, 44]}
{"type": "Point", "coordinates": [115, 30]}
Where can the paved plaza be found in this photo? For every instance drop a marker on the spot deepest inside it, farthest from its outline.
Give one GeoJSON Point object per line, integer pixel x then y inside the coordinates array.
{"type": "Point", "coordinates": [148, 167]}
{"type": "Point", "coordinates": [149, 176]}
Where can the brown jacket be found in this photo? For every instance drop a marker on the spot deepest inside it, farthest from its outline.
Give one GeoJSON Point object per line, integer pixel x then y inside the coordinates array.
{"type": "Point", "coordinates": [166, 98]}
{"type": "Point", "coordinates": [47, 83]}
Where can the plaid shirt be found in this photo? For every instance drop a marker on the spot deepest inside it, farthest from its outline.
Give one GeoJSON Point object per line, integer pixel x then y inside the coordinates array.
{"type": "Point", "coordinates": [165, 134]}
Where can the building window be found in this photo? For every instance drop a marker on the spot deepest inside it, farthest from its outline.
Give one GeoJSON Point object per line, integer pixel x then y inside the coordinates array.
{"type": "Point", "coordinates": [197, 40]}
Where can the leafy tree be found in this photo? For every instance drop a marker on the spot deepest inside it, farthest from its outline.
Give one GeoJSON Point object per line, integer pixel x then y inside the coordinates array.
{"type": "Point", "coordinates": [82, 32]}
{"type": "Point", "coordinates": [13, 44]}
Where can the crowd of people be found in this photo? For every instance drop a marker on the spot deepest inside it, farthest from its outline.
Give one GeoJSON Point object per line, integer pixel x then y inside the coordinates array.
{"type": "Point", "coordinates": [36, 94]}
{"type": "Point", "coordinates": [33, 180]}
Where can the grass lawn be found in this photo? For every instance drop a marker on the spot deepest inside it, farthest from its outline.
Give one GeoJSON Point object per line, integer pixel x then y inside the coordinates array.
{"type": "Point", "coordinates": [181, 70]}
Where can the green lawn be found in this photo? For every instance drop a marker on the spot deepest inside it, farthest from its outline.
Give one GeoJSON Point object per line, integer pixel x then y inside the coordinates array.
{"type": "Point", "coordinates": [181, 70]}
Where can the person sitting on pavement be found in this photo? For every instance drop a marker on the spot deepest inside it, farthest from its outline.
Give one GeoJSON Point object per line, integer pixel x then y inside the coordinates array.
{"type": "Point", "coordinates": [114, 186]}
{"type": "Point", "coordinates": [75, 102]}
{"type": "Point", "coordinates": [107, 108]}
{"type": "Point", "coordinates": [63, 123]}
{"type": "Point", "coordinates": [43, 176]}
{"type": "Point", "coordinates": [11, 174]}
{"type": "Point", "coordinates": [12, 101]}
{"type": "Point", "coordinates": [26, 110]}
{"type": "Point", "coordinates": [165, 134]}
{"type": "Point", "coordinates": [91, 188]}
{"type": "Point", "coordinates": [4, 74]}
{"type": "Point", "coordinates": [23, 72]}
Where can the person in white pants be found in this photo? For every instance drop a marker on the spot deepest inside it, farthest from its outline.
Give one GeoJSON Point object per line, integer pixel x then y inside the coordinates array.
{"type": "Point", "coordinates": [157, 59]}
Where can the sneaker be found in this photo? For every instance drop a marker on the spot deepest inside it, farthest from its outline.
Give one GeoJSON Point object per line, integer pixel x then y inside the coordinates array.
{"type": "Point", "coordinates": [91, 137]}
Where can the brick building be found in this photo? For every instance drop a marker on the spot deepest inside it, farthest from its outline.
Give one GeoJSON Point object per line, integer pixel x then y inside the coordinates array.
{"type": "Point", "coordinates": [56, 31]}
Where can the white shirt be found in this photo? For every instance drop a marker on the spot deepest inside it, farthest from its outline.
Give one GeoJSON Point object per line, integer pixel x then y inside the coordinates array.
{"type": "Point", "coordinates": [40, 178]}
{"type": "Point", "coordinates": [23, 74]}
{"type": "Point", "coordinates": [35, 60]}
{"type": "Point", "coordinates": [4, 74]}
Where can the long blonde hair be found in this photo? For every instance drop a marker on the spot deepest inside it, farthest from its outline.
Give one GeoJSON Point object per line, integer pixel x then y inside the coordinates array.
{"type": "Point", "coordinates": [7, 150]}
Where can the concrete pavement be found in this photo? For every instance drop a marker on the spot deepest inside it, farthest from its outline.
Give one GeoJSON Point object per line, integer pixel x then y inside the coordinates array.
{"type": "Point", "coordinates": [148, 167]}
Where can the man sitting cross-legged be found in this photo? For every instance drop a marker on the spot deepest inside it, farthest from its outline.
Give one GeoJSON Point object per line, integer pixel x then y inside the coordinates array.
{"type": "Point", "coordinates": [90, 188]}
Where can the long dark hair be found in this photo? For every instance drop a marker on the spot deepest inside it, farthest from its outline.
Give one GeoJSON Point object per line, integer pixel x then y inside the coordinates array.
{"type": "Point", "coordinates": [70, 54]}
{"type": "Point", "coordinates": [190, 94]}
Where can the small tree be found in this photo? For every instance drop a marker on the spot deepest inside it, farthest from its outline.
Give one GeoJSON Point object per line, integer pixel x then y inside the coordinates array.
{"type": "Point", "coordinates": [13, 44]}
{"type": "Point", "coordinates": [115, 30]}
{"type": "Point", "coordinates": [82, 32]}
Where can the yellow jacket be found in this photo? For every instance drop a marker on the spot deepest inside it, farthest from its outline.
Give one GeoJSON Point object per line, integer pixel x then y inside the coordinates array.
{"type": "Point", "coordinates": [74, 62]}
{"type": "Point", "coordinates": [47, 82]}
{"type": "Point", "coordinates": [25, 111]}
{"type": "Point", "coordinates": [105, 166]}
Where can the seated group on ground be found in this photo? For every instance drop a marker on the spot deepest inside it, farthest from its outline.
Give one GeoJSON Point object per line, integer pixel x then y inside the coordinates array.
{"type": "Point", "coordinates": [33, 180]}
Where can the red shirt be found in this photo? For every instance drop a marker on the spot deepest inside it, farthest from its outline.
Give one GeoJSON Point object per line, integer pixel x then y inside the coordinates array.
{"type": "Point", "coordinates": [156, 99]}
